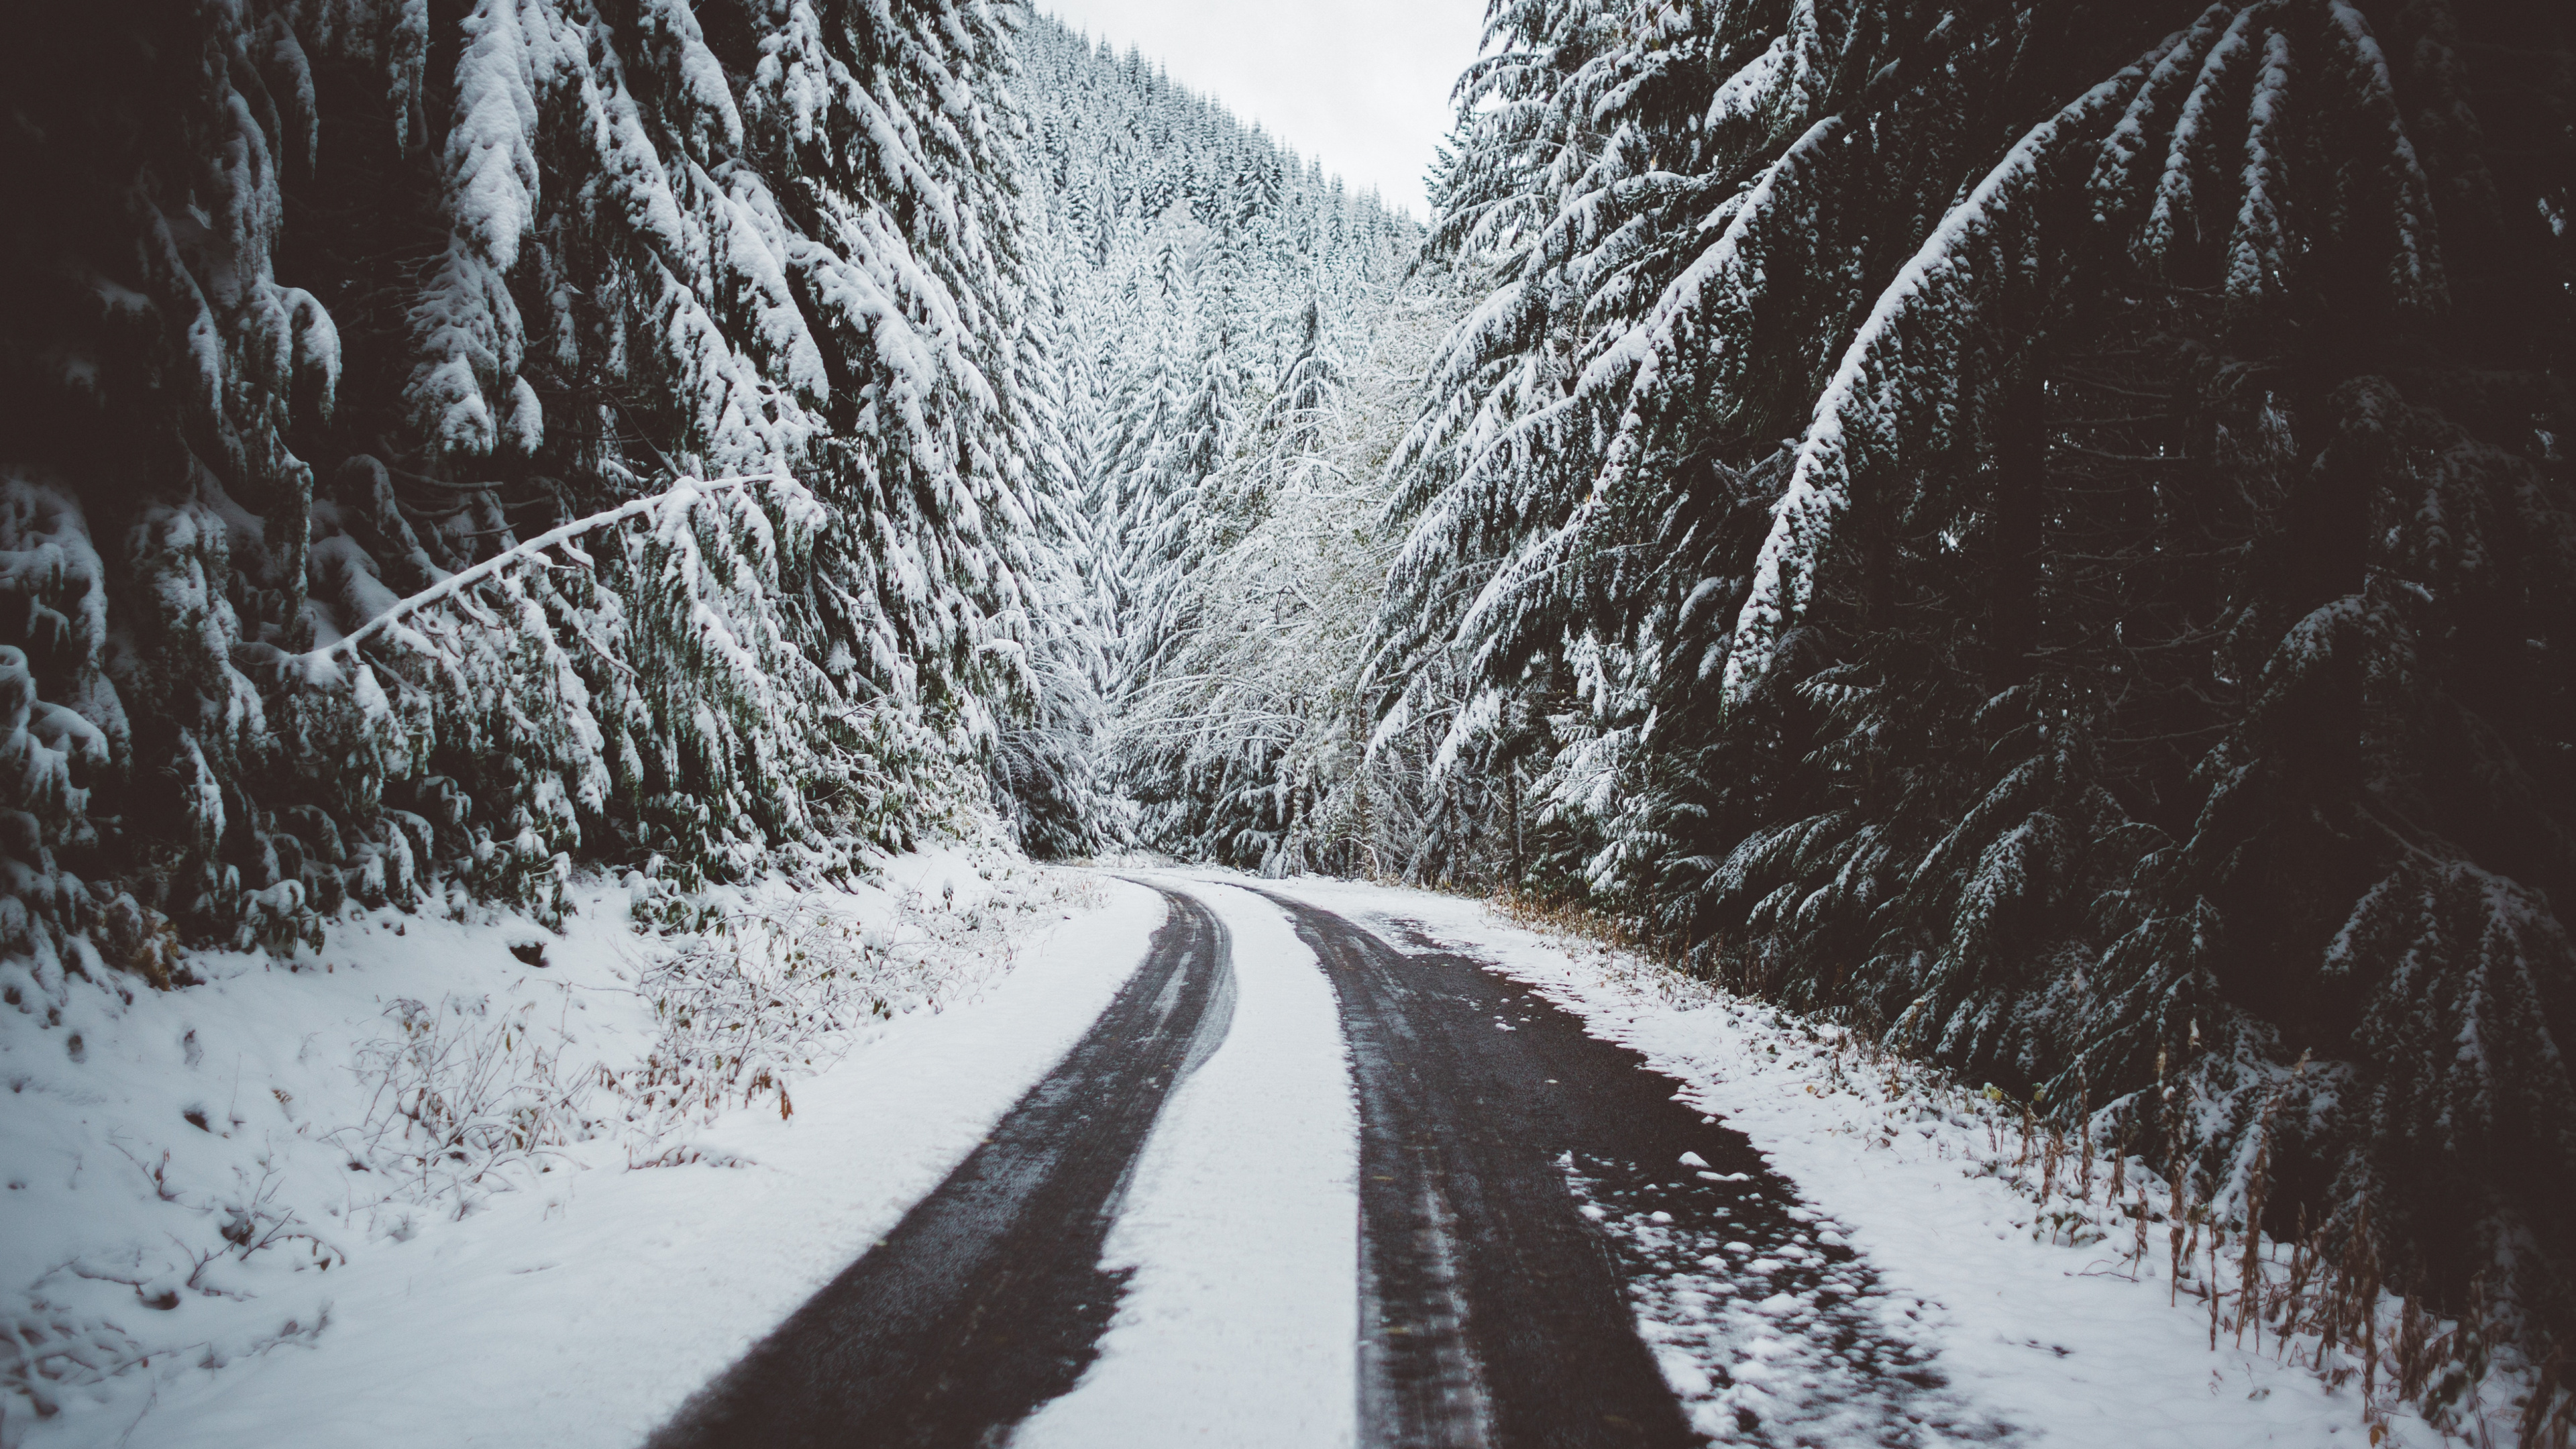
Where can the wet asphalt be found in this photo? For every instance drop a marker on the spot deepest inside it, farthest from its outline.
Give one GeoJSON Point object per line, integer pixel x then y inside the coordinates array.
{"type": "Point", "coordinates": [988, 1299]}
{"type": "Point", "coordinates": [1524, 1204]}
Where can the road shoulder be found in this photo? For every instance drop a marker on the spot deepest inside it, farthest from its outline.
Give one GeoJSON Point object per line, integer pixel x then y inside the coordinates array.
{"type": "Point", "coordinates": [586, 1317]}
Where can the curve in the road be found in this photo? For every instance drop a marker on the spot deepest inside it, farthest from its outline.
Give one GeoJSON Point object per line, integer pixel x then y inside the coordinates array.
{"type": "Point", "coordinates": [988, 1299]}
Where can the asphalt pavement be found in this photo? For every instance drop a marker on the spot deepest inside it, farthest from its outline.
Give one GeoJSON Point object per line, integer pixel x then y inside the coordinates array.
{"type": "Point", "coordinates": [1524, 1188]}
{"type": "Point", "coordinates": [988, 1299]}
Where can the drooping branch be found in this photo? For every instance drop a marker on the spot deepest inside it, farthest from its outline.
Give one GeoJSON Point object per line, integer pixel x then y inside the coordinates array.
{"type": "Point", "coordinates": [456, 583]}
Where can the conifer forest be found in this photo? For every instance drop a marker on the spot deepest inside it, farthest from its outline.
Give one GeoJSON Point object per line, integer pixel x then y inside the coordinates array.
{"type": "Point", "coordinates": [2039, 532]}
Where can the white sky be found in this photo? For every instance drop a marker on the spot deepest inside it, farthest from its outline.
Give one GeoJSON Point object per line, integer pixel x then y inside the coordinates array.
{"type": "Point", "coordinates": [1361, 85]}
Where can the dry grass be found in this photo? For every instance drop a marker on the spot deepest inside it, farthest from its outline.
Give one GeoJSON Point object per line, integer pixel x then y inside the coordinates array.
{"type": "Point", "coordinates": [771, 991]}
{"type": "Point", "coordinates": [461, 1097]}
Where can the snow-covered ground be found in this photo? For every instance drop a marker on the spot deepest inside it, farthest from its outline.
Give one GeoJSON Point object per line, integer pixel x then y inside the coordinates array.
{"type": "Point", "coordinates": [181, 1167]}
{"type": "Point", "coordinates": [177, 1182]}
{"type": "Point", "coordinates": [1240, 1326]}
{"type": "Point", "coordinates": [2071, 1343]}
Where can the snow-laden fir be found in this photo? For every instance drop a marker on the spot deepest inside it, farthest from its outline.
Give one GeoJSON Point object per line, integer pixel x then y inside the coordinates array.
{"type": "Point", "coordinates": [580, 257]}
{"type": "Point", "coordinates": [2011, 526]}
{"type": "Point", "coordinates": [2041, 532]}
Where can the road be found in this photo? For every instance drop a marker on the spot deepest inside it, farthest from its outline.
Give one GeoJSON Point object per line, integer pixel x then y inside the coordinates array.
{"type": "Point", "coordinates": [1506, 1160]}
{"type": "Point", "coordinates": [986, 1300]}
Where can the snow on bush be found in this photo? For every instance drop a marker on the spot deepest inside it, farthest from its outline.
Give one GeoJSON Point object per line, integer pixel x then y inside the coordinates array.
{"type": "Point", "coordinates": [784, 986]}
{"type": "Point", "coordinates": [461, 1098]}
{"type": "Point", "coordinates": [186, 1169]}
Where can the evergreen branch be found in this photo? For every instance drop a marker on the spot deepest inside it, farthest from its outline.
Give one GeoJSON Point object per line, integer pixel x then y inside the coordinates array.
{"type": "Point", "coordinates": [458, 582]}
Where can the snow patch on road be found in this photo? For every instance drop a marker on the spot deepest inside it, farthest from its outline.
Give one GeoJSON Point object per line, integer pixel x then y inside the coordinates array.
{"type": "Point", "coordinates": [1240, 1324]}
{"type": "Point", "coordinates": [1788, 1343]}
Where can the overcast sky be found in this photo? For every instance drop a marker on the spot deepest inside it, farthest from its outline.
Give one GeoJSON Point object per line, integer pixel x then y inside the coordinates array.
{"type": "Point", "coordinates": [1362, 85]}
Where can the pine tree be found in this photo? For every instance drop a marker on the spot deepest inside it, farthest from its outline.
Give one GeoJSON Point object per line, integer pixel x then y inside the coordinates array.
{"type": "Point", "coordinates": [2111, 660]}
{"type": "Point", "coordinates": [1218, 278]}
{"type": "Point", "coordinates": [331, 304]}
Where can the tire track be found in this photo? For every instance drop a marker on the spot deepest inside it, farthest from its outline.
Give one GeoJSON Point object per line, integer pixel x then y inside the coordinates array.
{"type": "Point", "coordinates": [1529, 1193]}
{"type": "Point", "coordinates": [988, 1299]}
{"type": "Point", "coordinates": [1492, 1310]}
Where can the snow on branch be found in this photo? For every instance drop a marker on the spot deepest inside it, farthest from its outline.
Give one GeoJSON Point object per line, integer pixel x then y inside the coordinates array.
{"type": "Point", "coordinates": [2195, 132]}
{"type": "Point", "coordinates": [1670, 332]}
{"type": "Point", "coordinates": [2259, 252]}
{"type": "Point", "coordinates": [2415, 274]}
{"type": "Point", "coordinates": [685, 491]}
{"type": "Point", "coordinates": [2169, 82]}
{"type": "Point", "coordinates": [1912, 333]}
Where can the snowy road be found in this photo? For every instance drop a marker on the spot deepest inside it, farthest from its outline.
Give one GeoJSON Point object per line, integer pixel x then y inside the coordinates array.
{"type": "Point", "coordinates": [1263, 1165]}
{"type": "Point", "coordinates": [1528, 1188]}
{"type": "Point", "coordinates": [987, 1299]}
{"type": "Point", "coordinates": [1408, 1202]}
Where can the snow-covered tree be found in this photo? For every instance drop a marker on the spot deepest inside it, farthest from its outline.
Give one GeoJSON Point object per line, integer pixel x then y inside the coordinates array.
{"type": "Point", "coordinates": [1206, 280]}
{"type": "Point", "coordinates": [332, 303]}
{"type": "Point", "coordinates": [2018, 529]}
{"type": "Point", "coordinates": [1245, 730]}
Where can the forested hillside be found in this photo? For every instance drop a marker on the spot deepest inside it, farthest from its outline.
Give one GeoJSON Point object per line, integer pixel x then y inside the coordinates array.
{"type": "Point", "coordinates": [1223, 318]}
{"type": "Point", "coordinates": [2045, 531]}
{"type": "Point", "coordinates": [2041, 531]}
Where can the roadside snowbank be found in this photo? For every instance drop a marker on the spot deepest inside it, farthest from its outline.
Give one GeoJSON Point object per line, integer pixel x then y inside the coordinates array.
{"type": "Point", "coordinates": [240, 1176]}
{"type": "Point", "coordinates": [2039, 1318]}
